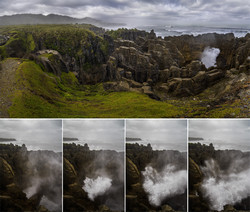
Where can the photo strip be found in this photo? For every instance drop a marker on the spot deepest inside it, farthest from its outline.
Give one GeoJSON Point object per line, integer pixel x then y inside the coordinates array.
{"type": "Point", "coordinates": [31, 165]}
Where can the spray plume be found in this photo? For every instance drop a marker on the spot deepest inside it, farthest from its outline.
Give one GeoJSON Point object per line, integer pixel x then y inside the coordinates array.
{"type": "Point", "coordinates": [209, 55]}
{"type": "Point", "coordinates": [223, 187]}
{"type": "Point", "coordinates": [167, 183]}
{"type": "Point", "coordinates": [96, 187]}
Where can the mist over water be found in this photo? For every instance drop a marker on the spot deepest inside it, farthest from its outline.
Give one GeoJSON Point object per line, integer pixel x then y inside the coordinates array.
{"type": "Point", "coordinates": [209, 55]}
{"type": "Point", "coordinates": [35, 145]}
{"type": "Point", "coordinates": [96, 187]}
{"type": "Point", "coordinates": [45, 180]}
{"type": "Point", "coordinates": [226, 186]}
{"type": "Point", "coordinates": [160, 145]}
{"type": "Point", "coordinates": [169, 30]}
{"type": "Point", "coordinates": [161, 185]}
{"type": "Point", "coordinates": [241, 145]}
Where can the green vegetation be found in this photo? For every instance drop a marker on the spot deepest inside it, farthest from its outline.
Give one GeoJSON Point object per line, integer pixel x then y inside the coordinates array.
{"type": "Point", "coordinates": [45, 95]}
{"type": "Point", "coordinates": [66, 39]}
{"type": "Point", "coordinates": [40, 93]}
{"type": "Point", "coordinates": [117, 33]}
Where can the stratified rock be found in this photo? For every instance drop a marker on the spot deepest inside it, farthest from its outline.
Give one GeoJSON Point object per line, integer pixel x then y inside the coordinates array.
{"type": "Point", "coordinates": [200, 82]}
{"type": "Point", "coordinates": [164, 75]}
{"type": "Point", "coordinates": [69, 173]}
{"type": "Point", "coordinates": [152, 35]}
{"type": "Point", "coordinates": [167, 208]}
{"type": "Point", "coordinates": [127, 43]}
{"type": "Point", "coordinates": [53, 63]}
{"type": "Point", "coordinates": [122, 86]}
{"type": "Point", "coordinates": [195, 174]}
{"type": "Point", "coordinates": [6, 173]}
{"type": "Point", "coordinates": [214, 75]}
{"type": "Point", "coordinates": [132, 173]}
{"type": "Point", "coordinates": [229, 208]}
{"type": "Point", "coordinates": [194, 67]}
{"type": "Point", "coordinates": [175, 72]}
{"type": "Point", "coordinates": [134, 61]}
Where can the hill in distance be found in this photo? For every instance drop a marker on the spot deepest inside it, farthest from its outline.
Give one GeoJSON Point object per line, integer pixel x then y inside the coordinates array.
{"type": "Point", "coordinates": [20, 19]}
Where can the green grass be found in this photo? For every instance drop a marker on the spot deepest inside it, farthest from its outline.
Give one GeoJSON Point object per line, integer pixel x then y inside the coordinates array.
{"type": "Point", "coordinates": [43, 95]}
{"type": "Point", "coordinates": [67, 39]}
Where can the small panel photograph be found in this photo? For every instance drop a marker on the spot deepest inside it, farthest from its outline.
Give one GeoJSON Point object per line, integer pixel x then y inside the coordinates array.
{"type": "Point", "coordinates": [156, 165]}
{"type": "Point", "coordinates": [124, 59]}
{"type": "Point", "coordinates": [219, 165]}
{"type": "Point", "coordinates": [93, 169]}
{"type": "Point", "coordinates": [31, 165]}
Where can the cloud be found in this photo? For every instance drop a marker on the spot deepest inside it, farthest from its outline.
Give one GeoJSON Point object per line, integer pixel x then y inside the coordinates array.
{"type": "Point", "coordinates": [164, 133]}
{"type": "Point", "coordinates": [141, 12]}
{"type": "Point", "coordinates": [228, 131]}
{"type": "Point", "coordinates": [48, 133]}
{"type": "Point", "coordinates": [105, 134]}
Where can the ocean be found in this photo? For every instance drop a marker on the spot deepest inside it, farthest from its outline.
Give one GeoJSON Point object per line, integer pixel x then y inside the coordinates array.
{"type": "Point", "coordinates": [223, 145]}
{"type": "Point", "coordinates": [100, 145]}
{"type": "Point", "coordinates": [32, 145]}
{"type": "Point", "coordinates": [163, 145]}
{"type": "Point", "coordinates": [191, 30]}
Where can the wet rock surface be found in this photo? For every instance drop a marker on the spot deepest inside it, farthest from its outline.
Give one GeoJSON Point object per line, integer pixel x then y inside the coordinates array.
{"type": "Point", "coordinates": [81, 163]}
{"type": "Point", "coordinates": [25, 182]}
{"type": "Point", "coordinates": [138, 157]}
{"type": "Point", "coordinates": [223, 159]}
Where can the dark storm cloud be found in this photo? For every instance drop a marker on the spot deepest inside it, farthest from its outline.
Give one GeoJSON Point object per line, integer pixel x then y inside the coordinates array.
{"type": "Point", "coordinates": [46, 132]}
{"type": "Point", "coordinates": [138, 12]}
{"type": "Point", "coordinates": [159, 132]}
{"type": "Point", "coordinates": [227, 130]}
{"type": "Point", "coordinates": [99, 134]}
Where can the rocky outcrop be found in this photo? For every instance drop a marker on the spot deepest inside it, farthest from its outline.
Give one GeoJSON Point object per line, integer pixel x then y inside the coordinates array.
{"type": "Point", "coordinates": [171, 66]}
{"type": "Point", "coordinates": [3, 39]}
{"type": "Point", "coordinates": [6, 173]}
{"type": "Point", "coordinates": [133, 175]}
{"type": "Point", "coordinates": [134, 60]}
{"type": "Point", "coordinates": [21, 170]}
{"type": "Point", "coordinates": [223, 161]}
{"type": "Point", "coordinates": [51, 61]}
{"type": "Point", "coordinates": [137, 158]}
{"type": "Point", "coordinates": [69, 173]}
{"type": "Point", "coordinates": [79, 163]}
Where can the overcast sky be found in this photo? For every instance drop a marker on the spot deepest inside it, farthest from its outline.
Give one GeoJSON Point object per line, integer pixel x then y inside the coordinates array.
{"type": "Point", "coordinates": [99, 134]}
{"type": "Point", "coordinates": [141, 12]}
{"type": "Point", "coordinates": [35, 134]}
{"type": "Point", "coordinates": [161, 134]}
{"type": "Point", "coordinates": [227, 131]}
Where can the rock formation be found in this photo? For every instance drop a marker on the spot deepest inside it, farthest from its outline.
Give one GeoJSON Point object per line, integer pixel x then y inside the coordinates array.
{"type": "Point", "coordinates": [80, 163]}
{"type": "Point", "coordinates": [140, 156]}
{"type": "Point", "coordinates": [17, 173]}
{"type": "Point", "coordinates": [224, 160]}
{"type": "Point", "coordinates": [132, 60]}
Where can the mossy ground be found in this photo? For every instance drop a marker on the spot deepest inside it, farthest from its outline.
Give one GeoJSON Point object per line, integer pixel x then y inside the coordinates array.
{"type": "Point", "coordinates": [42, 94]}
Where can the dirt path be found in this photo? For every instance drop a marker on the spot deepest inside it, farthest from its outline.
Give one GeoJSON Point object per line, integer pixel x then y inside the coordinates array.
{"type": "Point", "coordinates": [7, 84]}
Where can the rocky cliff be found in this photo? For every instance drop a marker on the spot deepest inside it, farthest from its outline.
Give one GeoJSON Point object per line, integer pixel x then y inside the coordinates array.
{"type": "Point", "coordinates": [30, 180]}
{"type": "Point", "coordinates": [81, 163]}
{"type": "Point", "coordinates": [138, 157]}
{"type": "Point", "coordinates": [165, 69]}
{"type": "Point", "coordinates": [206, 163]}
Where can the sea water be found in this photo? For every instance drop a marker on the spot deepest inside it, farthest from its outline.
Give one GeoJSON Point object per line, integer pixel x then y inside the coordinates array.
{"type": "Point", "coordinates": [169, 30]}
{"type": "Point", "coordinates": [243, 146]}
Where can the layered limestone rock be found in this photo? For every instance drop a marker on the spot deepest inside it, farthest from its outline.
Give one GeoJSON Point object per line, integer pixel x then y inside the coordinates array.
{"type": "Point", "coordinates": [171, 66]}
{"type": "Point", "coordinates": [163, 67]}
